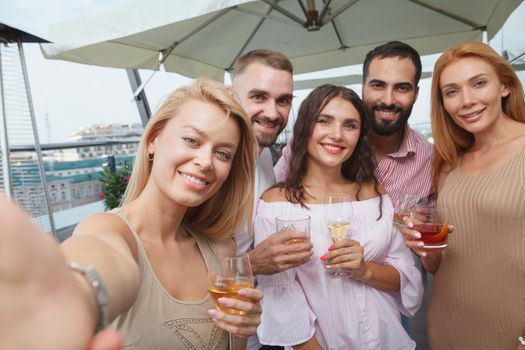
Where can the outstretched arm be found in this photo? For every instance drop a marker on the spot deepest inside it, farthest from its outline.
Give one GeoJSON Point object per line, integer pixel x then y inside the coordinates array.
{"type": "Point", "coordinates": [97, 242]}
{"type": "Point", "coordinates": [41, 296]}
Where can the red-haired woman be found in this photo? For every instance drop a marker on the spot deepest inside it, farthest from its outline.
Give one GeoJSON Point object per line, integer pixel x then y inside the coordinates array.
{"type": "Point", "coordinates": [478, 125]}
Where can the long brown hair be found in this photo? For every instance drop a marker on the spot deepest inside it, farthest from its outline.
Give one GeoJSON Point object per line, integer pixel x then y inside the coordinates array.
{"type": "Point", "coordinates": [358, 168]}
{"type": "Point", "coordinates": [212, 217]}
{"type": "Point", "coordinates": [450, 140]}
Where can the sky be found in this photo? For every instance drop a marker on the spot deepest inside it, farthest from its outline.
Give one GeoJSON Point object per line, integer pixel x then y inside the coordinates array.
{"type": "Point", "coordinates": [67, 95]}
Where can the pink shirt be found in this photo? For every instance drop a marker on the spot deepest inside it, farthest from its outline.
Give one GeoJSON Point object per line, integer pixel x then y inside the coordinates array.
{"type": "Point", "coordinates": [408, 171]}
{"type": "Point", "coordinates": [342, 313]}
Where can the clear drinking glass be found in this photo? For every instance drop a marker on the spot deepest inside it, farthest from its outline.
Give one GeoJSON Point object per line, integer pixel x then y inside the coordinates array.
{"type": "Point", "coordinates": [431, 220]}
{"type": "Point", "coordinates": [293, 222]}
{"type": "Point", "coordinates": [337, 213]}
{"type": "Point", "coordinates": [403, 207]}
{"type": "Point", "coordinates": [233, 274]}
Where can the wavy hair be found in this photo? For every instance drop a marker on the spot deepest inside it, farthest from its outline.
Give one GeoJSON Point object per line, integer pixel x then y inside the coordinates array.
{"type": "Point", "coordinates": [450, 140]}
{"type": "Point", "coordinates": [212, 218]}
{"type": "Point", "coordinates": [358, 168]}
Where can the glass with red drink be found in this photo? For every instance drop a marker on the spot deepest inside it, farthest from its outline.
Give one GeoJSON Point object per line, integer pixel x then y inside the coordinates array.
{"type": "Point", "coordinates": [432, 222]}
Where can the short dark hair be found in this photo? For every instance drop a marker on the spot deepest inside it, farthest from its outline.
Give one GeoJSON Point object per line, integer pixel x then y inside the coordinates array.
{"type": "Point", "coordinates": [393, 49]}
{"type": "Point", "coordinates": [269, 58]}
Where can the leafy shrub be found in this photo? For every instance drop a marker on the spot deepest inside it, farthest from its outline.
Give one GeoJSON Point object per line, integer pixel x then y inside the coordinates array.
{"type": "Point", "coordinates": [114, 184]}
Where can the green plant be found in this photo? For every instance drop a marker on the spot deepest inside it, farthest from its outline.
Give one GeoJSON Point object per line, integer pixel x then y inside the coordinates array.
{"type": "Point", "coordinates": [114, 184]}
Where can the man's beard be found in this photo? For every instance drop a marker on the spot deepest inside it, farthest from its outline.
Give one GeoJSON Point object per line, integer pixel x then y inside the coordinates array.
{"type": "Point", "coordinates": [384, 127]}
{"type": "Point", "coordinates": [267, 139]}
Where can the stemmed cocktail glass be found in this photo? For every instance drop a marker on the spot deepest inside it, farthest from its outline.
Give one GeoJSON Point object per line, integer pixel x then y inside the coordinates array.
{"type": "Point", "coordinates": [337, 213]}
{"type": "Point", "coordinates": [233, 274]}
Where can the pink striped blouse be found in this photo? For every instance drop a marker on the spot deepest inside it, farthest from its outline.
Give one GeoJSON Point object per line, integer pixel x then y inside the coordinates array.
{"type": "Point", "coordinates": [342, 313]}
{"type": "Point", "coordinates": [408, 171]}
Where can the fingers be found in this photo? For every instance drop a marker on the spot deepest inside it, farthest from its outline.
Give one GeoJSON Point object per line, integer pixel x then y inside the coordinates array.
{"type": "Point", "coordinates": [291, 252]}
{"type": "Point", "coordinates": [255, 295]}
{"type": "Point", "coordinates": [291, 241]}
{"type": "Point", "coordinates": [284, 243]}
{"type": "Point", "coordinates": [271, 257]}
{"type": "Point", "coordinates": [406, 222]}
{"type": "Point", "coordinates": [348, 255]}
{"type": "Point", "coordinates": [106, 340]}
{"type": "Point", "coordinates": [292, 259]}
{"type": "Point", "coordinates": [346, 260]}
{"type": "Point", "coordinates": [246, 322]}
{"type": "Point", "coordinates": [249, 304]}
{"type": "Point", "coordinates": [239, 325]}
{"type": "Point", "coordinates": [284, 236]}
{"type": "Point", "coordinates": [296, 246]}
{"type": "Point", "coordinates": [410, 234]}
{"type": "Point", "coordinates": [412, 241]}
{"type": "Point", "coordinates": [343, 243]}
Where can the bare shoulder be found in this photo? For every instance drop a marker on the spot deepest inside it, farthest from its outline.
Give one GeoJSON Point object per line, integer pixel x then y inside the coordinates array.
{"type": "Point", "coordinates": [275, 194]}
{"type": "Point", "coordinates": [368, 191]}
{"type": "Point", "coordinates": [109, 228]}
{"type": "Point", "coordinates": [101, 223]}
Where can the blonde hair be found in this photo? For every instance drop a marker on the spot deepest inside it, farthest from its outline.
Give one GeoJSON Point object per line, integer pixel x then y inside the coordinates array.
{"type": "Point", "coordinates": [212, 218]}
{"type": "Point", "coordinates": [450, 140]}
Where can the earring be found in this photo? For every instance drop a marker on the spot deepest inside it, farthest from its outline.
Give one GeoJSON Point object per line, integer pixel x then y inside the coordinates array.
{"type": "Point", "coordinates": [150, 157]}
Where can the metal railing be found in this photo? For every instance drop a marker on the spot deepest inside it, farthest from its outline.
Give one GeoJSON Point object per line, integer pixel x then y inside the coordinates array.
{"type": "Point", "coordinates": [72, 178]}
{"type": "Point", "coordinates": [75, 144]}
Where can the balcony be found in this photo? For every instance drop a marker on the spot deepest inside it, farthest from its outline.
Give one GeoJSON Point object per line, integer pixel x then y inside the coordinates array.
{"type": "Point", "coordinates": [73, 189]}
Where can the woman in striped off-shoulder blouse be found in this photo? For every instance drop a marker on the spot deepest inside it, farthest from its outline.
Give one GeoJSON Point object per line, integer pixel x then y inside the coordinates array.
{"type": "Point", "coordinates": [305, 307]}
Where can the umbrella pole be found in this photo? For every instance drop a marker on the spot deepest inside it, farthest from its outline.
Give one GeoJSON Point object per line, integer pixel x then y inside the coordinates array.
{"type": "Point", "coordinates": [140, 99]}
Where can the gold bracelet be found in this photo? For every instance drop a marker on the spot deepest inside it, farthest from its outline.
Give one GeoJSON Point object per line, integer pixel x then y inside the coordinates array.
{"type": "Point", "coordinates": [101, 294]}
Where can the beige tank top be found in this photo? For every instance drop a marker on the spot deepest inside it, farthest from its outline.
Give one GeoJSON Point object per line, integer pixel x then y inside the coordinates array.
{"type": "Point", "coordinates": [157, 320]}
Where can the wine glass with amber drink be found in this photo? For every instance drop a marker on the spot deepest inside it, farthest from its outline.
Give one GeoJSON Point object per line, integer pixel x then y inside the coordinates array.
{"type": "Point", "coordinates": [233, 274]}
{"type": "Point", "coordinates": [431, 221]}
{"type": "Point", "coordinates": [337, 212]}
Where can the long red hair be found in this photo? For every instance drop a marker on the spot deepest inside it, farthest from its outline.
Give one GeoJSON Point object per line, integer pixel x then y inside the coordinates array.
{"type": "Point", "coordinates": [450, 140]}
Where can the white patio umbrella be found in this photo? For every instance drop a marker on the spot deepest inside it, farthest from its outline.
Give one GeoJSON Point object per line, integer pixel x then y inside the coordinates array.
{"type": "Point", "coordinates": [195, 38]}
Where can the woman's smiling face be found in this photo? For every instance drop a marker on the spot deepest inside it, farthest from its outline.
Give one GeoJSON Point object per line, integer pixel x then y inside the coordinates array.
{"type": "Point", "coordinates": [335, 133]}
{"type": "Point", "coordinates": [194, 152]}
{"type": "Point", "coordinates": [472, 93]}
